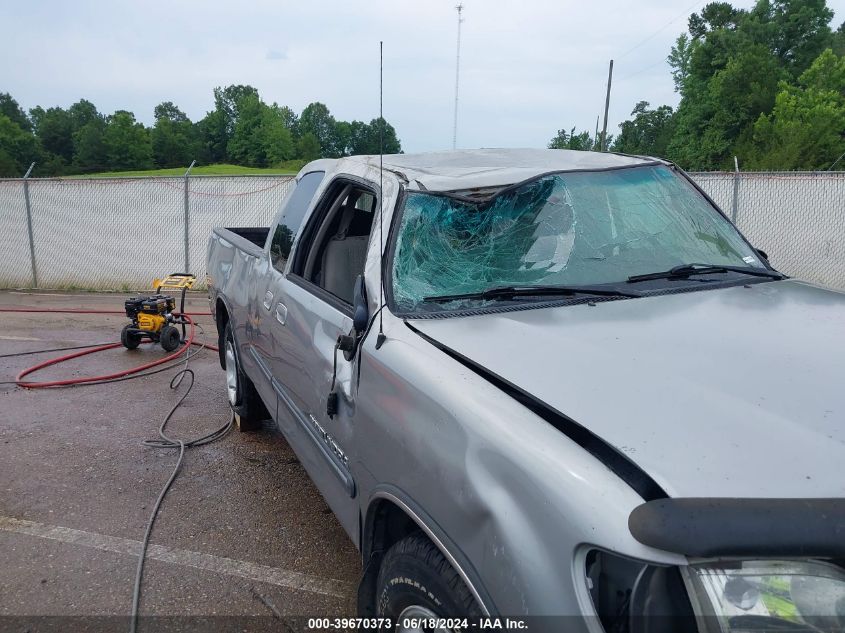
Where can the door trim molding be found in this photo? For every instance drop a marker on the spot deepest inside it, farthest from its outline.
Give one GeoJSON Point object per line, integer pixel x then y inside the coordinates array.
{"type": "Point", "coordinates": [327, 447]}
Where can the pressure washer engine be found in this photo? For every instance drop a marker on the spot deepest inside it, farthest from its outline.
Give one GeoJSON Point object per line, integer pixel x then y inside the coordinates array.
{"type": "Point", "coordinates": [153, 315]}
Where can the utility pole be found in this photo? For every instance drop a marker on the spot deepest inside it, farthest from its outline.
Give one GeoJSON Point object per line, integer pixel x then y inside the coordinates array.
{"type": "Point", "coordinates": [596, 137]}
{"type": "Point", "coordinates": [460, 8]}
{"type": "Point", "coordinates": [606, 108]}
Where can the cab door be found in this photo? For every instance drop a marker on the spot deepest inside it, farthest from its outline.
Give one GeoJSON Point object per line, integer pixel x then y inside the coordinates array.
{"type": "Point", "coordinates": [267, 311]}
{"type": "Point", "coordinates": [317, 297]}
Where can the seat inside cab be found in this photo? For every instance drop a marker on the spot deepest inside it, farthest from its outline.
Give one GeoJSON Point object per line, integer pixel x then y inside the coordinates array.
{"type": "Point", "coordinates": [343, 250]}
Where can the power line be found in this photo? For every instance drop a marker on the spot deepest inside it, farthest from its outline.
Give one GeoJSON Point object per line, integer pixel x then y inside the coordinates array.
{"type": "Point", "coordinates": [685, 12]}
{"type": "Point", "coordinates": [642, 70]}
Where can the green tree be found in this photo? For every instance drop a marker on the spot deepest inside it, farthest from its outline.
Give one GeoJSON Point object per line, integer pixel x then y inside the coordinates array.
{"type": "Point", "coordinates": [391, 144]}
{"type": "Point", "coordinates": [167, 110]}
{"type": "Point", "coordinates": [290, 119]}
{"type": "Point", "coordinates": [260, 137]}
{"type": "Point", "coordinates": [245, 147]}
{"type": "Point", "coordinates": [215, 130]}
{"type": "Point", "coordinates": [241, 128]}
{"type": "Point", "coordinates": [343, 138]}
{"type": "Point", "coordinates": [715, 115]}
{"type": "Point", "coordinates": [728, 69]}
{"type": "Point", "coordinates": [83, 112]}
{"type": "Point", "coordinates": [228, 101]}
{"type": "Point", "coordinates": [89, 151]}
{"type": "Point", "coordinates": [127, 143]}
{"type": "Point", "coordinates": [838, 41]}
{"type": "Point", "coordinates": [175, 140]}
{"type": "Point", "coordinates": [54, 128]}
{"type": "Point", "coordinates": [318, 121]}
{"type": "Point", "coordinates": [366, 138]}
{"type": "Point", "coordinates": [679, 60]}
{"type": "Point", "coordinates": [276, 135]}
{"type": "Point", "coordinates": [10, 108]}
{"type": "Point", "coordinates": [18, 148]}
{"type": "Point", "coordinates": [308, 147]}
{"type": "Point", "coordinates": [648, 133]}
{"type": "Point", "coordinates": [796, 31]}
{"type": "Point", "coordinates": [358, 138]}
{"type": "Point", "coordinates": [577, 141]}
{"type": "Point", "coordinates": [806, 129]}
{"type": "Point", "coordinates": [214, 138]}
{"type": "Point", "coordinates": [715, 15]}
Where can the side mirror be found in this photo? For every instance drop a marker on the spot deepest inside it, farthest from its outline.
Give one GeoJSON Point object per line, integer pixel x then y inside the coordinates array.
{"type": "Point", "coordinates": [348, 343]}
{"type": "Point", "coordinates": [762, 253]}
{"type": "Point", "coordinates": [360, 314]}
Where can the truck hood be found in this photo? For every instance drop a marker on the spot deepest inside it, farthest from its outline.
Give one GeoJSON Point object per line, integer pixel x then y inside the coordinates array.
{"type": "Point", "coordinates": [731, 392]}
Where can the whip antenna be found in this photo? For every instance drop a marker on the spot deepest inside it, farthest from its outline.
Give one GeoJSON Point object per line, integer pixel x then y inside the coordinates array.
{"type": "Point", "coordinates": [381, 337]}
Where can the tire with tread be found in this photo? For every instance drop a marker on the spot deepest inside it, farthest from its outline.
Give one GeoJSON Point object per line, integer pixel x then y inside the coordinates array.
{"type": "Point", "coordinates": [415, 573]}
{"type": "Point", "coordinates": [249, 410]}
{"type": "Point", "coordinates": [130, 339]}
{"type": "Point", "coordinates": [169, 338]}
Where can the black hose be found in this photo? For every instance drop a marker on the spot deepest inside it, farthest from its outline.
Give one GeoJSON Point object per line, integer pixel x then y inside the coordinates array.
{"type": "Point", "coordinates": [169, 443]}
{"type": "Point", "coordinates": [55, 349]}
{"type": "Point", "coordinates": [164, 442]}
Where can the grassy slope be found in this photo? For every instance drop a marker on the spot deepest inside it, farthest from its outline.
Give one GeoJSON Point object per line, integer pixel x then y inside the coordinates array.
{"type": "Point", "coordinates": [291, 167]}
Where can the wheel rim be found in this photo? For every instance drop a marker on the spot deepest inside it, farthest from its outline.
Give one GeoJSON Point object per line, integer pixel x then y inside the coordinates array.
{"type": "Point", "coordinates": [231, 375]}
{"type": "Point", "coordinates": [417, 612]}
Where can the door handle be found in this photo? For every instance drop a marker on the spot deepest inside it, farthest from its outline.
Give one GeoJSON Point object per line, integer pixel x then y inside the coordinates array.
{"type": "Point", "coordinates": [268, 299]}
{"type": "Point", "coordinates": [281, 313]}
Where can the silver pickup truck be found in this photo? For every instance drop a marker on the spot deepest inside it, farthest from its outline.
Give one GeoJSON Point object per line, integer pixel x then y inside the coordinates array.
{"type": "Point", "coordinates": [550, 385]}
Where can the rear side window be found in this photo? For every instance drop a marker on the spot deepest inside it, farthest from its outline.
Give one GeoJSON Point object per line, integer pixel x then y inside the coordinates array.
{"type": "Point", "coordinates": [293, 211]}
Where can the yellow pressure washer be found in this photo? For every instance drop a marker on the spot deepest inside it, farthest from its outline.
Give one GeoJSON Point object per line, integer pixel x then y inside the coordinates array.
{"type": "Point", "coordinates": [152, 315]}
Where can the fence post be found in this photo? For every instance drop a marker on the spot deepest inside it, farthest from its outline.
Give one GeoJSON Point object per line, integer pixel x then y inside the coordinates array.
{"type": "Point", "coordinates": [187, 218]}
{"type": "Point", "coordinates": [736, 191]}
{"type": "Point", "coordinates": [29, 225]}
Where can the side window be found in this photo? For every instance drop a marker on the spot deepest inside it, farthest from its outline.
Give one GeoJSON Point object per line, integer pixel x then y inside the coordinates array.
{"type": "Point", "coordinates": [292, 212]}
{"type": "Point", "coordinates": [334, 246]}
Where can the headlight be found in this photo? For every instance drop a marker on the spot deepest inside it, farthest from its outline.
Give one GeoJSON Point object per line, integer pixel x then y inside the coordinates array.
{"type": "Point", "coordinates": [724, 597]}
{"type": "Point", "coordinates": [768, 595]}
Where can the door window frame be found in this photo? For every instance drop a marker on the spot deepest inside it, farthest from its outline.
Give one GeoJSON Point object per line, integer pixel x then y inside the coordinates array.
{"type": "Point", "coordinates": [280, 215]}
{"type": "Point", "coordinates": [311, 230]}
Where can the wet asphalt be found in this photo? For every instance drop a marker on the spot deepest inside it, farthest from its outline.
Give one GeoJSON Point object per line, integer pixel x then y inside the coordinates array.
{"type": "Point", "coordinates": [244, 531]}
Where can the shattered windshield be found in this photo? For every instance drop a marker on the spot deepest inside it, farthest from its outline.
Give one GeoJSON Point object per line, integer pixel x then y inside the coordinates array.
{"type": "Point", "coordinates": [576, 228]}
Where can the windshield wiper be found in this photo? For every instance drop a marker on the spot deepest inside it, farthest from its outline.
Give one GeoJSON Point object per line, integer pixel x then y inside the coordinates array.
{"type": "Point", "coordinates": [510, 292]}
{"type": "Point", "coordinates": [685, 270]}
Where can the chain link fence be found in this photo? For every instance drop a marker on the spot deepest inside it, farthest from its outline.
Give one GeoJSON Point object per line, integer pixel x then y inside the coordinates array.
{"type": "Point", "coordinates": [797, 218]}
{"type": "Point", "coordinates": [119, 233]}
{"type": "Point", "coordinates": [108, 233]}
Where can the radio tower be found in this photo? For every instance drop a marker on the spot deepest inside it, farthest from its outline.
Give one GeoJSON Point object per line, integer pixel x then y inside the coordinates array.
{"type": "Point", "coordinates": [460, 8]}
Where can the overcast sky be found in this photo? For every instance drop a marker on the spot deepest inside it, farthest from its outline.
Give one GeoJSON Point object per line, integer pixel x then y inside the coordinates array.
{"type": "Point", "coordinates": [528, 67]}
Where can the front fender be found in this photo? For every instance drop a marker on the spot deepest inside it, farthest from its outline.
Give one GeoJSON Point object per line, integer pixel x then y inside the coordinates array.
{"type": "Point", "coordinates": [511, 498]}
{"type": "Point", "coordinates": [424, 521]}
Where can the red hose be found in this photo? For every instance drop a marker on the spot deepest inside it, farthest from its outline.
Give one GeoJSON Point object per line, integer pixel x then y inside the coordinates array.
{"type": "Point", "coordinates": [84, 311]}
{"type": "Point", "coordinates": [94, 349]}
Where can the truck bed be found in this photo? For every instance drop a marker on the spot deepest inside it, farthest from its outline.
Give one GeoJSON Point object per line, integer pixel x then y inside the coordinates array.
{"type": "Point", "coordinates": [249, 239]}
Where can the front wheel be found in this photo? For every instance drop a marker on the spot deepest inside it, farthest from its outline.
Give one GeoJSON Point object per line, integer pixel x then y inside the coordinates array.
{"type": "Point", "coordinates": [416, 583]}
{"type": "Point", "coordinates": [169, 338]}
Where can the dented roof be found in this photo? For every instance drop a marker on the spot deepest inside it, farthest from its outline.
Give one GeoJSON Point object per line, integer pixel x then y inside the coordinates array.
{"type": "Point", "coordinates": [463, 169]}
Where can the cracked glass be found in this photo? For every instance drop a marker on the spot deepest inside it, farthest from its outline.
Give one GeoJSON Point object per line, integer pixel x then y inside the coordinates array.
{"type": "Point", "coordinates": [576, 228]}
